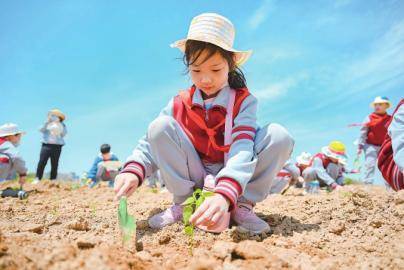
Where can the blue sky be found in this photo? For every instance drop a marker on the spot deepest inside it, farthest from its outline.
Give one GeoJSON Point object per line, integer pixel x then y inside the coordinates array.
{"type": "Point", "coordinates": [316, 66]}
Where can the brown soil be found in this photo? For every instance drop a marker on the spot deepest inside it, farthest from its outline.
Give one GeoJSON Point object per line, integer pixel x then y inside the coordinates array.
{"type": "Point", "coordinates": [61, 228]}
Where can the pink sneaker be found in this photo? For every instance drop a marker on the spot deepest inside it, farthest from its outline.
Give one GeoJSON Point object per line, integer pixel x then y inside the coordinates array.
{"type": "Point", "coordinates": [247, 220]}
{"type": "Point", "coordinates": [167, 217]}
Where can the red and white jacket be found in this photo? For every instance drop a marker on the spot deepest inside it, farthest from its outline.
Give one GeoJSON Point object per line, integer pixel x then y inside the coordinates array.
{"type": "Point", "coordinates": [391, 155]}
{"type": "Point", "coordinates": [205, 129]}
{"type": "Point", "coordinates": [10, 160]}
{"type": "Point", "coordinates": [374, 129]}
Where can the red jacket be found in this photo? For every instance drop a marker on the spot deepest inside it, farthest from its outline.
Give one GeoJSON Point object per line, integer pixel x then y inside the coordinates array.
{"type": "Point", "coordinates": [205, 128]}
{"type": "Point", "coordinates": [326, 161]}
{"type": "Point", "coordinates": [377, 129]}
{"type": "Point", "coordinates": [387, 166]}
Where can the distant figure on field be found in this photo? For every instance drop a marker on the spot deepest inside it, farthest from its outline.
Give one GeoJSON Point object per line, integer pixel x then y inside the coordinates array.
{"type": "Point", "coordinates": [291, 174]}
{"type": "Point", "coordinates": [53, 132]}
{"type": "Point", "coordinates": [105, 166]}
{"type": "Point", "coordinates": [10, 160]}
{"type": "Point", "coordinates": [391, 156]}
{"type": "Point", "coordinates": [373, 132]}
{"type": "Point", "coordinates": [327, 166]}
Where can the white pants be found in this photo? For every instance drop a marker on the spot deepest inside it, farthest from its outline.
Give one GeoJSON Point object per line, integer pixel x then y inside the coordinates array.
{"type": "Point", "coordinates": [371, 151]}
{"type": "Point", "coordinates": [182, 169]}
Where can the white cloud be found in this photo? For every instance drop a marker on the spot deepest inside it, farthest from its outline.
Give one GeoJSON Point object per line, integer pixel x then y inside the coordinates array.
{"type": "Point", "coordinates": [260, 15]}
{"type": "Point", "coordinates": [278, 89]}
{"type": "Point", "coordinates": [385, 59]}
{"type": "Point", "coordinates": [377, 71]}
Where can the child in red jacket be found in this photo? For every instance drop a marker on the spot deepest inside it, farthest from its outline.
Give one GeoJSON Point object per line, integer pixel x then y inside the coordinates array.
{"type": "Point", "coordinates": [373, 132]}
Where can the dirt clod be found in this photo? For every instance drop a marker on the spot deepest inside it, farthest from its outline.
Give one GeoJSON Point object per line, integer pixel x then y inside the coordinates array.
{"type": "Point", "coordinates": [79, 225]}
{"type": "Point", "coordinates": [164, 239]}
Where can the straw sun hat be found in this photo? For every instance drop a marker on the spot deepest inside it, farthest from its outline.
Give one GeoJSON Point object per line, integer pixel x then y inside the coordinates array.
{"type": "Point", "coordinates": [58, 113]}
{"type": "Point", "coordinates": [215, 29]}
{"type": "Point", "coordinates": [381, 100]}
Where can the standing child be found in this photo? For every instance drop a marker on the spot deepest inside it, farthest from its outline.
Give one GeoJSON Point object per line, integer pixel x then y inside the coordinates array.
{"type": "Point", "coordinates": [391, 156]}
{"type": "Point", "coordinates": [10, 160]}
{"type": "Point", "coordinates": [53, 133]}
{"type": "Point", "coordinates": [373, 132]}
{"type": "Point", "coordinates": [327, 166]}
{"type": "Point", "coordinates": [210, 130]}
{"type": "Point", "coordinates": [105, 166]}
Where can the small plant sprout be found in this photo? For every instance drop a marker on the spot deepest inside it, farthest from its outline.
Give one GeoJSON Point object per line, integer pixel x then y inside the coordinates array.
{"type": "Point", "coordinates": [93, 208]}
{"type": "Point", "coordinates": [127, 223]}
{"type": "Point", "coordinates": [190, 205]}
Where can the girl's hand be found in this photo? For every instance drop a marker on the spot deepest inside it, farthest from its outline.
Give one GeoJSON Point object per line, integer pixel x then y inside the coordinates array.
{"type": "Point", "coordinates": [125, 184]}
{"type": "Point", "coordinates": [210, 211]}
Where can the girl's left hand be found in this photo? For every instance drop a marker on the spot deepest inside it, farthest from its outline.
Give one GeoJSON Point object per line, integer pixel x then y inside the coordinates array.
{"type": "Point", "coordinates": [210, 211]}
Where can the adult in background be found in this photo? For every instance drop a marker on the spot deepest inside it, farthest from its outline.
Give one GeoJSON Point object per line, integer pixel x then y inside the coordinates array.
{"type": "Point", "coordinates": [53, 132]}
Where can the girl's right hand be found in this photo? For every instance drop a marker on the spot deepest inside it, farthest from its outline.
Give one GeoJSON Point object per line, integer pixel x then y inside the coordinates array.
{"type": "Point", "coordinates": [125, 184]}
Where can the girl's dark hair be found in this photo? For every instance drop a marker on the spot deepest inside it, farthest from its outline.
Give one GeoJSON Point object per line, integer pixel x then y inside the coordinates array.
{"type": "Point", "coordinates": [194, 49]}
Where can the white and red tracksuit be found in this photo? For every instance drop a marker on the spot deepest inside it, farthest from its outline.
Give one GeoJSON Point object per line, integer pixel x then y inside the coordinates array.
{"type": "Point", "coordinates": [373, 132]}
{"type": "Point", "coordinates": [186, 142]}
{"type": "Point", "coordinates": [10, 160]}
{"type": "Point", "coordinates": [391, 156]}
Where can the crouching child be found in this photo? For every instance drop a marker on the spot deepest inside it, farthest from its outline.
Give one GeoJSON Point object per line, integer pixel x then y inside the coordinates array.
{"type": "Point", "coordinates": [10, 160]}
{"type": "Point", "coordinates": [106, 167]}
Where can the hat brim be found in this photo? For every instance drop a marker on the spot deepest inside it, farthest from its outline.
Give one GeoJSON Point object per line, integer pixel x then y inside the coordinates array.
{"type": "Point", "coordinates": [326, 151]}
{"type": "Point", "coordinates": [58, 114]}
{"type": "Point", "coordinates": [302, 161]}
{"type": "Point", "coordinates": [372, 105]}
{"type": "Point", "coordinates": [13, 133]}
{"type": "Point", "coordinates": [241, 56]}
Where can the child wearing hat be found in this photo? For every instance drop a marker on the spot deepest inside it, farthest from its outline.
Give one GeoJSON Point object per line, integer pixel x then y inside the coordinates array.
{"type": "Point", "coordinates": [210, 132]}
{"type": "Point", "coordinates": [53, 133]}
{"type": "Point", "coordinates": [10, 160]}
{"type": "Point", "coordinates": [372, 134]}
{"type": "Point", "coordinates": [105, 167]}
{"type": "Point", "coordinates": [391, 156]}
{"type": "Point", "coordinates": [327, 166]}
{"type": "Point", "coordinates": [289, 175]}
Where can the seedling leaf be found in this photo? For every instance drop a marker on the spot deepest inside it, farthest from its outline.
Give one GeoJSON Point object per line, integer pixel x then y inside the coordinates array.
{"type": "Point", "coordinates": [127, 223]}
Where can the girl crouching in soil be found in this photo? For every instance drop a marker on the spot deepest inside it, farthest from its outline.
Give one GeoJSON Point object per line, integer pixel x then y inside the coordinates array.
{"type": "Point", "coordinates": [210, 132]}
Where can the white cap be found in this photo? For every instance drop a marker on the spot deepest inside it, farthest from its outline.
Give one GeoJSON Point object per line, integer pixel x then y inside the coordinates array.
{"type": "Point", "coordinates": [10, 129]}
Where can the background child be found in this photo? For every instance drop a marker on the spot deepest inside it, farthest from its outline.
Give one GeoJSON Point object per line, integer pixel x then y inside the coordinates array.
{"type": "Point", "coordinates": [189, 140]}
{"type": "Point", "coordinates": [10, 160]}
{"type": "Point", "coordinates": [326, 166]}
{"type": "Point", "coordinates": [391, 156]}
{"type": "Point", "coordinates": [291, 174]}
{"type": "Point", "coordinates": [105, 166]}
{"type": "Point", "coordinates": [53, 133]}
{"type": "Point", "coordinates": [373, 132]}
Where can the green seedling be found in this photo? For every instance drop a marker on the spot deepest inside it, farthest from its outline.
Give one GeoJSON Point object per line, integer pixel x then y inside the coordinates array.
{"type": "Point", "coordinates": [127, 223]}
{"type": "Point", "coordinates": [93, 208]}
{"type": "Point", "coordinates": [55, 211]}
{"type": "Point", "coordinates": [75, 186]}
{"type": "Point", "coordinates": [190, 205]}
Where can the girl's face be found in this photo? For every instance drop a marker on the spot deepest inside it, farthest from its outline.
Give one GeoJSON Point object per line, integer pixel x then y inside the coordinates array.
{"type": "Point", "coordinates": [15, 139]}
{"type": "Point", "coordinates": [210, 75]}
{"type": "Point", "coordinates": [381, 108]}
